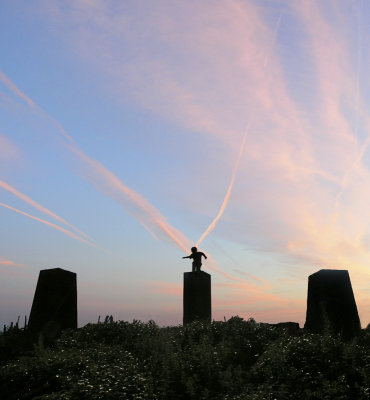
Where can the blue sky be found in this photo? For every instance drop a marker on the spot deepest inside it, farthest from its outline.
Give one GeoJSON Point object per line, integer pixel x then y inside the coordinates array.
{"type": "Point", "coordinates": [138, 123]}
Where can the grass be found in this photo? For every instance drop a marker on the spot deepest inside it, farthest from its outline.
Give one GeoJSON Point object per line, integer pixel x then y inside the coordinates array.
{"type": "Point", "coordinates": [235, 359]}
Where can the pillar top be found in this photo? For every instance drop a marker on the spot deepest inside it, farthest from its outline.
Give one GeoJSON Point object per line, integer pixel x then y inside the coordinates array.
{"type": "Point", "coordinates": [57, 270]}
{"type": "Point", "coordinates": [329, 271]}
{"type": "Point", "coordinates": [199, 273]}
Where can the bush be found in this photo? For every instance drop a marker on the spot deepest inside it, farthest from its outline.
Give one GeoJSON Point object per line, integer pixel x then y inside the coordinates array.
{"type": "Point", "coordinates": [235, 359]}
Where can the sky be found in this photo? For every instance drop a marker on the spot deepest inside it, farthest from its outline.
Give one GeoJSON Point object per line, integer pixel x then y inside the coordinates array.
{"type": "Point", "coordinates": [131, 131]}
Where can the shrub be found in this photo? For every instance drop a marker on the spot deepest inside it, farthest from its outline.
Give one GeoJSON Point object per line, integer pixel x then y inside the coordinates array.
{"type": "Point", "coordinates": [235, 359]}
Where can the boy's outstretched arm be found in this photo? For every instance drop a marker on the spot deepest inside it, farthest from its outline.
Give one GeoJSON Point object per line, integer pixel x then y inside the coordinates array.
{"type": "Point", "coordinates": [186, 257]}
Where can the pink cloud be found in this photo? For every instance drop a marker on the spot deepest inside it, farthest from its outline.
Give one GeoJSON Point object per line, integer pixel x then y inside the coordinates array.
{"type": "Point", "coordinates": [249, 89]}
{"type": "Point", "coordinates": [12, 268]}
{"type": "Point", "coordinates": [10, 263]}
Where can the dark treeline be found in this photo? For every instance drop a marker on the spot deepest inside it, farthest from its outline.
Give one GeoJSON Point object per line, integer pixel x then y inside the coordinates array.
{"type": "Point", "coordinates": [235, 359]}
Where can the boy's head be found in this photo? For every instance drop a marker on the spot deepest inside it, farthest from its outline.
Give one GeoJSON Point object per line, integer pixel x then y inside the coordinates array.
{"type": "Point", "coordinates": [194, 250]}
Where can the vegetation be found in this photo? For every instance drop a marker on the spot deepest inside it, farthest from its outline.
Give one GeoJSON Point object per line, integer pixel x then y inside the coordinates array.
{"type": "Point", "coordinates": [235, 359]}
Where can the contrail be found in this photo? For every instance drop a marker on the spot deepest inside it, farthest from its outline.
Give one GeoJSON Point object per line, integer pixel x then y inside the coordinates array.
{"type": "Point", "coordinates": [359, 58]}
{"type": "Point", "coordinates": [28, 200]}
{"type": "Point", "coordinates": [174, 234]}
{"type": "Point", "coordinates": [228, 192]}
{"type": "Point", "coordinates": [15, 90]}
{"type": "Point", "coordinates": [152, 234]}
{"type": "Point", "coordinates": [65, 231]}
{"type": "Point", "coordinates": [344, 182]}
{"type": "Point", "coordinates": [274, 37]}
{"type": "Point", "coordinates": [58, 125]}
{"type": "Point", "coordinates": [108, 183]}
{"type": "Point", "coordinates": [144, 212]}
{"type": "Point", "coordinates": [212, 265]}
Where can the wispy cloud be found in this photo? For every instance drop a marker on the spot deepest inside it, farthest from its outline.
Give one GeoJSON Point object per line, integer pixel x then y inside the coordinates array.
{"type": "Point", "coordinates": [9, 263]}
{"type": "Point", "coordinates": [300, 144]}
{"type": "Point", "coordinates": [12, 268]}
{"type": "Point", "coordinates": [336, 236]}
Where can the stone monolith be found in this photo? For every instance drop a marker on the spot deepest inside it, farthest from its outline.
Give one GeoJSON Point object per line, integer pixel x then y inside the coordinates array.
{"type": "Point", "coordinates": [54, 306]}
{"type": "Point", "coordinates": [197, 297]}
{"type": "Point", "coordinates": [331, 303]}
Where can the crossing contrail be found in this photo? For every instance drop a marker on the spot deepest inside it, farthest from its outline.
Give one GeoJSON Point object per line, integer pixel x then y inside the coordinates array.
{"type": "Point", "coordinates": [133, 203]}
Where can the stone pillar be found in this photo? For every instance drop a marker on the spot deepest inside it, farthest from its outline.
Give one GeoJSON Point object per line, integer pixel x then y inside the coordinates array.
{"type": "Point", "coordinates": [54, 305]}
{"type": "Point", "coordinates": [197, 297]}
{"type": "Point", "coordinates": [330, 302]}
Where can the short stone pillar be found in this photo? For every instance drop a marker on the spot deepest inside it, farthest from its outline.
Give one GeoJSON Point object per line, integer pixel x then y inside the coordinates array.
{"type": "Point", "coordinates": [197, 297]}
{"type": "Point", "coordinates": [331, 303]}
{"type": "Point", "coordinates": [54, 305]}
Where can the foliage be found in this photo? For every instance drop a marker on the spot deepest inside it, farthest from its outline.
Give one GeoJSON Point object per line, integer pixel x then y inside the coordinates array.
{"type": "Point", "coordinates": [14, 341]}
{"type": "Point", "coordinates": [235, 359]}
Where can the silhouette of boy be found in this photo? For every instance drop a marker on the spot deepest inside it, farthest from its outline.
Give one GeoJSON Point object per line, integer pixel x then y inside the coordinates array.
{"type": "Point", "coordinates": [197, 258]}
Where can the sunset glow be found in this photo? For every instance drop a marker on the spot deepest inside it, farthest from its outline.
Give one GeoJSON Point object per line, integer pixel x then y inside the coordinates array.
{"type": "Point", "coordinates": [145, 128]}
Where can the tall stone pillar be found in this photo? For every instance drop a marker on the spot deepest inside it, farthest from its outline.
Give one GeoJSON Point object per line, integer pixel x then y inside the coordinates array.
{"type": "Point", "coordinates": [197, 297]}
{"type": "Point", "coordinates": [54, 305]}
{"type": "Point", "coordinates": [330, 301]}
